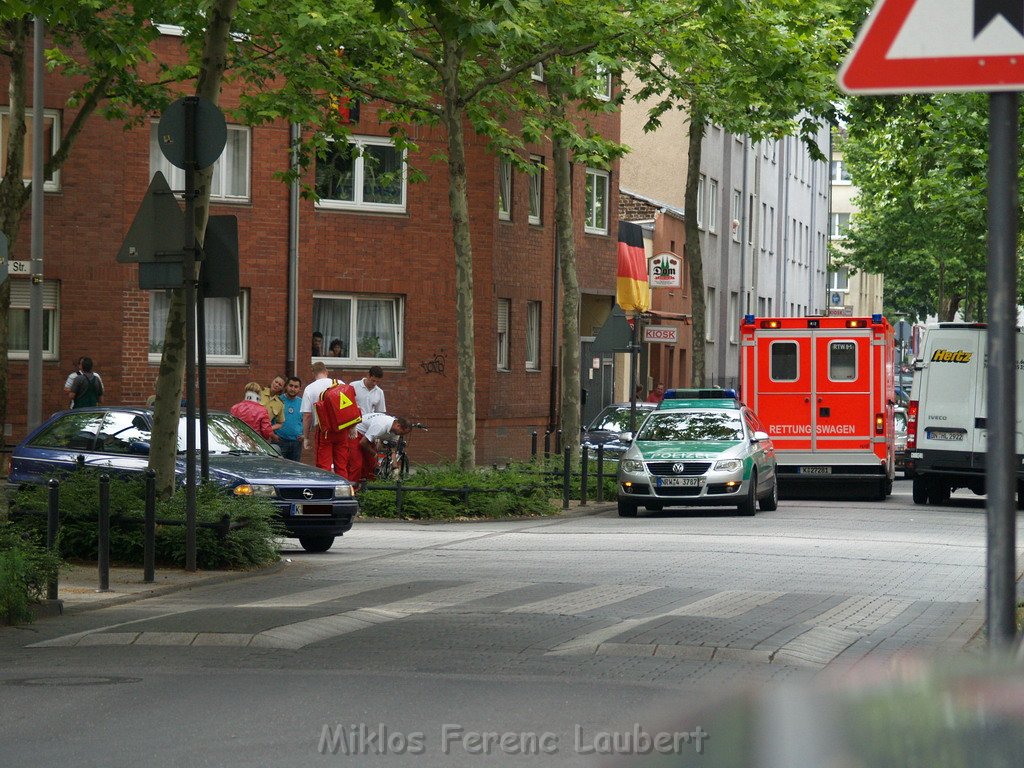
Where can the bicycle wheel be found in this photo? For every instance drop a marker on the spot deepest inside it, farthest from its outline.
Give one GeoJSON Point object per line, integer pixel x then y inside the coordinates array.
{"type": "Point", "coordinates": [384, 465]}
{"type": "Point", "coordinates": [403, 466]}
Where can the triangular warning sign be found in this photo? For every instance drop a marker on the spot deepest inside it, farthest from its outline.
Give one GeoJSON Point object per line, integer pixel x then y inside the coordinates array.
{"type": "Point", "coordinates": [927, 46]}
{"type": "Point", "coordinates": [158, 231]}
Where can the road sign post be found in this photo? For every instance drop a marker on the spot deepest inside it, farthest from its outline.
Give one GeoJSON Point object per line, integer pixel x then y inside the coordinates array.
{"type": "Point", "coordinates": [931, 46]}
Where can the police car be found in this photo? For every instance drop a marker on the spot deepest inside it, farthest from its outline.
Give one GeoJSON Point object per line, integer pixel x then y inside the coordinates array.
{"type": "Point", "coordinates": [700, 448]}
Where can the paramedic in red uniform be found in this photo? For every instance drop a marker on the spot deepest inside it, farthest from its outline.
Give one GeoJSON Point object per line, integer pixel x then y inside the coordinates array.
{"type": "Point", "coordinates": [324, 450]}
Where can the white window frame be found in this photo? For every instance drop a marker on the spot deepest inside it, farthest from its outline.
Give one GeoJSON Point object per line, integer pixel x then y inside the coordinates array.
{"type": "Point", "coordinates": [21, 290]}
{"type": "Point", "coordinates": [764, 227]}
{"type": "Point", "coordinates": [536, 190]}
{"type": "Point", "coordinates": [771, 230]}
{"type": "Point", "coordinates": [702, 183]}
{"type": "Point", "coordinates": [504, 189]}
{"type": "Point", "coordinates": [712, 205]}
{"type": "Point", "coordinates": [502, 312]}
{"type": "Point", "coordinates": [837, 224]}
{"type": "Point", "coordinates": [352, 342]}
{"type": "Point", "coordinates": [533, 318]}
{"type": "Point", "coordinates": [838, 172]}
{"type": "Point", "coordinates": [839, 279]}
{"type": "Point", "coordinates": [359, 179]}
{"type": "Point", "coordinates": [710, 314]}
{"type": "Point", "coordinates": [734, 317]}
{"type": "Point", "coordinates": [537, 73]}
{"type": "Point", "coordinates": [751, 218]}
{"type": "Point", "coordinates": [241, 309]}
{"type": "Point", "coordinates": [596, 180]}
{"type": "Point", "coordinates": [222, 169]}
{"type": "Point", "coordinates": [49, 185]}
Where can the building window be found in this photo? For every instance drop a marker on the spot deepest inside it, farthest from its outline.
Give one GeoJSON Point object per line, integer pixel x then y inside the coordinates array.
{"type": "Point", "coordinates": [710, 315]}
{"type": "Point", "coordinates": [227, 328]}
{"type": "Point", "coordinates": [597, 202]}
{"type": "Point", "coordinates": [361, 330]}
{"type": "Point", "coordinates": [839, 279]}
{"type": "Point", "coordinates": [840, 174]}
{"type": "Point", "coordinates": [702, 183]}
{"type": "Point", "coordinates": [734, 317]}
{"type": "Point", "coordinates": [713, 206]}
{"type": "Point", "coordinates": [230, 181]}
{"type": "Point", "coordinates": [533, 335]}
{"type": "Point", "coordinates": [51, 142]}
{"type": "Point", "coordinates": [603, 89]}
{"type": "Point", "coordinates": [504, 189]}
{"type": "Point", "coordinates": [838, 224]}
{"type": "Point", "coordinates": [366, 173]}
{"type": "Point", "coordinates": [503, 334]}
{"type": "Point", "coordinates": [750, 219]}
{"type": "Point", "coordinates": [737, 213]}
{"type": "Point", "coordinates": [536, 189]}
{"type": "Point", "coordinates": [771, 230]}
{"type": "Point", "coordinates": [537, 73]}
{"type": "Point", "coordinates": [18, 319]}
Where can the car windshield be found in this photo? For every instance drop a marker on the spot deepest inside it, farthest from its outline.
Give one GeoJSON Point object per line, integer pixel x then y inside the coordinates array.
{"type": "Point", "coordinates": [227, 435]}
{"type": "Point", "coordinates": [693, 426]}
{"type": "Point", "coordinates": [616, 419]}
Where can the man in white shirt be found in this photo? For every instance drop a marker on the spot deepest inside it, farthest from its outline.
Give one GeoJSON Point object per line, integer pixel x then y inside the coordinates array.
{"type": "Point", "coordinates": [324, 455]}
{"type": "Point", "coordinates": [369, 395]}
{"type": "Point", "coordinates": [372, 428]}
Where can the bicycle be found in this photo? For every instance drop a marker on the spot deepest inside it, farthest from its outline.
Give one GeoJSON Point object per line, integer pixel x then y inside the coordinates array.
{"type": "Point", "coordinates": [391, 456]}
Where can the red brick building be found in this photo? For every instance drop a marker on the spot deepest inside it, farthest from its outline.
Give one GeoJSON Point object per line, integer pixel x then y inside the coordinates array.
{"type": "Point", "coordinates": [373, 263]}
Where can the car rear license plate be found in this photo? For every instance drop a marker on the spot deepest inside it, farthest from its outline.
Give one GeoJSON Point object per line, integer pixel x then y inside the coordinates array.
{"type": "Point", "coordinates": [815, 470]}
{"type": "Point", "coordinates": [686, 482]}
{"type": "Point", "coordinates": [936, 434]}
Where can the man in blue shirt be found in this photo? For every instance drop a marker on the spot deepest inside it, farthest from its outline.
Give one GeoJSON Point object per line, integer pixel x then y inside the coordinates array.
{"type": "Point", "coordinates": [290, 434]}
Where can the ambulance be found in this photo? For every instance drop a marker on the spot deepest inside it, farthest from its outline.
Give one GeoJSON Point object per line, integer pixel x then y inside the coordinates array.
{"type": "Point", "coordinates": [948, 414]}
{"type": "Point", "coordinates": [824, 388]}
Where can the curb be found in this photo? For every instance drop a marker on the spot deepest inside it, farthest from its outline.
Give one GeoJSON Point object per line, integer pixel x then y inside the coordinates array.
{"type": "Point", "coordinates": [590, 510]}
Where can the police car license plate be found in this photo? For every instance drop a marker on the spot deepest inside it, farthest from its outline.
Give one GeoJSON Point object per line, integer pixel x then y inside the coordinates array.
{"type": "Point", "coordinates": [815, 470]}
{"type": "Point", "coordinates": [686, 482]}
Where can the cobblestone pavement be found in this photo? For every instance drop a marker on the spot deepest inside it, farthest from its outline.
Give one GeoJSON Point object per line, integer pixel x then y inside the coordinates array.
{"type": "Point", "coordinates": [681, 602]}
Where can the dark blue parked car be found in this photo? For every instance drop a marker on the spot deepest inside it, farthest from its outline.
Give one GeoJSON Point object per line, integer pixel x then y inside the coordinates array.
{"type": "Point", "coordinates": [316, 506]}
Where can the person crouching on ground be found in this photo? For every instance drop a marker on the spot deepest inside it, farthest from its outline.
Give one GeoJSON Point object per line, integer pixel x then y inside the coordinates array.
{"type": "Point", "coordinates": [371, 429]}
{"type": "Point", "coordinates": [251, 411]}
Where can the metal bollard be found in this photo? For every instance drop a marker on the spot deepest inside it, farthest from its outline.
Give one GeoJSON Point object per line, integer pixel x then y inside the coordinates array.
{"type": "Point", "coordinates": [547, 444]}
{"type": "Point", "coordinates": [52, 526]}
{"type": "Point", "coordinates": [80, 461]}
{"type": "Point", "coordinates": [103, 554]}
{"type": "Point", "coordinates": [149, 532]}
{"type": "Point", "coordinates": [533, 445]}
{"type": "Point", "coordinates": [600, 473]}
{"type": "Point", "coordinates": [558, 441]}
{"type": "Point", "coordinates": [566, 477]}
{"type": "Point", "coordinates": [398, 497]}
{"type": "Point", "coordinates": [584, 466]}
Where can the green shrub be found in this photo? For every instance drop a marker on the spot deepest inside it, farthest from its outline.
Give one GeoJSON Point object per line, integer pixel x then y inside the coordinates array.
{"type": "Point", "coordinates": [25, 570]}
{"type": "Point", "coordinates": [252, 544]}
{"type": "Point", "coordinates": [492, 494]}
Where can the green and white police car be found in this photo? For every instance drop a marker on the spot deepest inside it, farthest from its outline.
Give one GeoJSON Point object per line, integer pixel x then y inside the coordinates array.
{"type": "Point", "coordinates": [701, 448]}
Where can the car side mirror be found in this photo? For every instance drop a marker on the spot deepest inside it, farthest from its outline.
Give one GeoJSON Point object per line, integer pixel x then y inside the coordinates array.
{"type": "Point", "coordinates": [626, 437]}
{"type": "Point", "coordinates": [139, 448]}
{"type": "Point", "coordinates": [760, 436]}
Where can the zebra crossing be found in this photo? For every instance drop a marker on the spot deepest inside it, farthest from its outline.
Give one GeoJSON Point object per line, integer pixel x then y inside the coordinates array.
{"type": "Point", "coordinates": [804, 630]}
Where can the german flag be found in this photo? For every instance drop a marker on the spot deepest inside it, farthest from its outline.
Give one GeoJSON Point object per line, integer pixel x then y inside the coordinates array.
{"type": "Point", "coordinates": [632, 292]}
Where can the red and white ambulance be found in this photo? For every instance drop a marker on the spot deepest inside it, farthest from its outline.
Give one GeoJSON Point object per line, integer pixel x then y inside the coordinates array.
{"type": "Point", "coordinates": [823, 386]}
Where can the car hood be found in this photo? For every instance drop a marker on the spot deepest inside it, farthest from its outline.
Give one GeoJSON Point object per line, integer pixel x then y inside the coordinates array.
{"type": "Point", "coordinates": [231, 470]}
{"type": "Point", "coordinates": [656, 450]}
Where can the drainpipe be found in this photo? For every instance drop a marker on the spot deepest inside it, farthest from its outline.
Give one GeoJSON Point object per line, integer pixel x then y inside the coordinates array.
{"type": "Point", "coordinates": [291, 321]}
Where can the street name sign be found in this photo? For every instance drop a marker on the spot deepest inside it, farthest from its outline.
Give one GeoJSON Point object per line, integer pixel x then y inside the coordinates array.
{"type": "Point", "coordinates": [929, 46]}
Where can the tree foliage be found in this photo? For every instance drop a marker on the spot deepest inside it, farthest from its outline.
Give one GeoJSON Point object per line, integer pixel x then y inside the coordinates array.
{"type": "Point", "coordinates": [919, 164]}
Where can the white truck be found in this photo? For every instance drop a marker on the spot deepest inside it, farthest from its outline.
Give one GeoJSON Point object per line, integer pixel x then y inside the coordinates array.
{"type": "Point", "coordinates": [948, 411]}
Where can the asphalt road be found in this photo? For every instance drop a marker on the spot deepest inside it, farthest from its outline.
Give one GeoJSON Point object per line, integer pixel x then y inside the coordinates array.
{"type": "Point", "coordinates": [558, 642]}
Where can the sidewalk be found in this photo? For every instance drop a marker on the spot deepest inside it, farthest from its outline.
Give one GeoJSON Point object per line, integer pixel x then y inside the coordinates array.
{"type": "Point", "coordinates": [78, 586]}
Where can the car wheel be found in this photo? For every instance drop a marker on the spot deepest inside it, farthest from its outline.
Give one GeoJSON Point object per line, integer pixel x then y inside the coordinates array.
{"type": "Point", "coordinates": [1020, 495]}
{"type": "Point", "coordinates": [920, 490]}
{"type": "Point", "coordinates": [316, 543]}
{"type": "Point", "coordinates": [887, 487]}
{"type": "Point", "coordinates": [627, 508]}
{"type": "Point", "coordinates": [939, 492]}
{"type": "Point", "coordinates": [749, 504]}
{"type": "Point", "coordinates": [770, 502]}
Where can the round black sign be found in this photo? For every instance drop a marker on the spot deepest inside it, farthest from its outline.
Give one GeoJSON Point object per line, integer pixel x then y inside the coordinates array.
{"type": "Point", "coordinates": [211, 132]}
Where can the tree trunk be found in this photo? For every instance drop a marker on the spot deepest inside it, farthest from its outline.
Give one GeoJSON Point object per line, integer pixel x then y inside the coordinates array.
{"type": "Point", "coordinates": [694, 258]}
{"type": "Point", "coordinates": [570, 373]}
{"type": "Point", "coordinates": [458, 200]}
{"type": "Point", "coordinates": [166, 410]}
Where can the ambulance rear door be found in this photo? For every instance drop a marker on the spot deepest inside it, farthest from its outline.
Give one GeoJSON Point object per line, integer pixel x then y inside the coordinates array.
{"type": "Point", "coordinates": [843, 415]}
{"type": "Point", "coordinates": [783, 384]}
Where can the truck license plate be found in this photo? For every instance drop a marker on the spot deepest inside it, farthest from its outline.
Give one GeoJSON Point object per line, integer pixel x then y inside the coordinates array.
{"type": "Point", "coordinates": [815, 470]}
{"type": "Point", "coordinates": [686, 482]}
{"type": "Point", "coordinates": [937, 435]}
